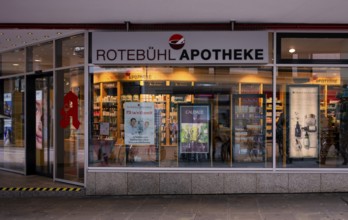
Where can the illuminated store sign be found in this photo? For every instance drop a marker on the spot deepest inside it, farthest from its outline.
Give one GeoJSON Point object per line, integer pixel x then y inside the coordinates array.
{"type": "Point", "coordinates": [180, 48]}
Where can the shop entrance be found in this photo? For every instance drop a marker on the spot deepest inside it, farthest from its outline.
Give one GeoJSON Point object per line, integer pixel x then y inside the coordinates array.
{"type": "Point", "coordinates": [40, 150]}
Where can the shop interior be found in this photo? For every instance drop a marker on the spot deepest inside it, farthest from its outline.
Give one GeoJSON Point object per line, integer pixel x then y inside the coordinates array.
{"type": "Point", "coordinates": [240, 102]}
{"type": "Point", "coordinates": [237, 105]}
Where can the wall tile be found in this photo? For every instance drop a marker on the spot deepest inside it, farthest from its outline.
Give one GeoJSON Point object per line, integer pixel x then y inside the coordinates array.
{"type": "Point", "coordinates": [175, 183]}
{"type": "Point", "coordinates": [334, 182]}
{"type": "Point", "coordinates": [207, 183]}
{"type": "Point", "coordinates": [239, 183]}
{"type": "Point", "coordinates": [304, 182]}
{"type": "Point", "coordinates": [143, 183]}
{"type": "Point", "coordinates": [110, 183]}
{"type": "Point", "coordinates": [90, 184]}
{"type": "Point", "coordinates": [272, 183]}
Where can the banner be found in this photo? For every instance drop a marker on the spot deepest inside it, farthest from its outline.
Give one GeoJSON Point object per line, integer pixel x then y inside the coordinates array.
{"type": "Point", "coordinates": [303, 120]}
{"type": "Point", "coordinates": [139, 123]}
{"type": "Point", "coordinates": [194, 128]}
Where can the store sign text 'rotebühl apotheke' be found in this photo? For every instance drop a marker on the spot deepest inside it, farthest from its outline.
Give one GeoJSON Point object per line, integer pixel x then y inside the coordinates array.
{"type": "Point", "coordinates": [179, 47]}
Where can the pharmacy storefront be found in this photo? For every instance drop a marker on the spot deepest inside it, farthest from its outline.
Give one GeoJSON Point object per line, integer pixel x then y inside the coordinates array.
{"type": "Point", "coordinates": [179, 112]}
{"type": "Point", "coordinates": [217, 112]}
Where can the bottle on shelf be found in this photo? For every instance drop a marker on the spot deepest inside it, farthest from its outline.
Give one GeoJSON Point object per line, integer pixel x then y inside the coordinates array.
{"type": "Point", "coordinates": [297, 130]}
{"type": "Point", "coordinates": [306, 142]}
{"type": "Point", "coordinates": [298, 145]}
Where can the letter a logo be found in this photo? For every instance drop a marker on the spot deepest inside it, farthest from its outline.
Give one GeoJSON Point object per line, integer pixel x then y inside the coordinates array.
{"type": "Point", "coordinates": [70, 109]}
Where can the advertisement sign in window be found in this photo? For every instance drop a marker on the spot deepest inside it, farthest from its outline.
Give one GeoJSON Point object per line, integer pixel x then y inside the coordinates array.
{"type": "Point", "coordinates": [8, 132]}
{"type": "Point", "coordinates": [194, 128]}
{"type": "Point", "coordinates": [104, 128]}
{"type": "Point", "coordinates": [8, 104]}
{"type": "Point", "coordinates": [139, 119]}
{"type": "Point", "coordinates": [38, 117]}
{"type": "Point", "coordinates": [303, 120]}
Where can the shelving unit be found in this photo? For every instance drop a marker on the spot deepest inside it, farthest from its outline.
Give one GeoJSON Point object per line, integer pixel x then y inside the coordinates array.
{"type": "Point", "coordinates": [105, 109]}
{"type": "Point", "coordinates": [269, 118]}
{"type": "Point", "coordinates": [96, 110]}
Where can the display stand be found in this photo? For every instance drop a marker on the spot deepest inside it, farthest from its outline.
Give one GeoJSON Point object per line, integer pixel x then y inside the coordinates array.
{"type": "Point", "coordinates": [248, 127]}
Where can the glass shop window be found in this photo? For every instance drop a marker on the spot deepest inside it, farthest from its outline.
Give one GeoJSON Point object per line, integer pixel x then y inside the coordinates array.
{"type": "Point", "coordinates": [12, 62]}
{"type": "Point", "coordinates": [181, 117]}
{"type": "Point", "coordinates": [70, 51]}
{"type": "Point", "coordinates": [311, 127]}
{"type": "Point", "coordinates": [319, 48]}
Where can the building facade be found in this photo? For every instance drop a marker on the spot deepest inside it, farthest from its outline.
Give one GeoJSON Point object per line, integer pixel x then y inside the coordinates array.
{"type": "Point", "coordinates": [180, 112]}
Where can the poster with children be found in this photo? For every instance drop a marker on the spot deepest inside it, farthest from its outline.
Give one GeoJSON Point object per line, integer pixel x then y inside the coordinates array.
{"type": "Point", "coordinates": [139, 119]}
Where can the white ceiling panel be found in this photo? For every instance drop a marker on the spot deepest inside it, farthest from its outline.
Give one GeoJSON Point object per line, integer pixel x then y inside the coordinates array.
{"type": "Point", "coordinates": [159, 11]}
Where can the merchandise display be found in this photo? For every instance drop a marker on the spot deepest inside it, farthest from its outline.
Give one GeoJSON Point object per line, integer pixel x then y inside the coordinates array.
{"type": "Point", "coordinates": [249, 128]}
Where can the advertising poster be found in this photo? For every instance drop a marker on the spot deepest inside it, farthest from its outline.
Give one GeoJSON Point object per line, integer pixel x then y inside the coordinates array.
{"type": "Point", "coordinates": [139, 120]}
{"type": "Point", "coordinates": [194, 128]}
{"type": "Point", "coordinates": [39, 110]}
{"type": "Point", "coordinates": [104, 128]}
{"type": "Point", "coordinates": [8, 104]}
{"type": "Point", "coordinates": [303, 121]}
{"type": "Point", "coordinates": [7, 132]}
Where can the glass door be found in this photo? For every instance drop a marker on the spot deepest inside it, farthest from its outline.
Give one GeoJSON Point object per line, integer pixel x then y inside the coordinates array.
{"type": "Point", "coordinates": [44, 125]}
{"type": "Point", "coordinates": [69, 128]}
{"type": "Point", "coordinates": [40, 150]}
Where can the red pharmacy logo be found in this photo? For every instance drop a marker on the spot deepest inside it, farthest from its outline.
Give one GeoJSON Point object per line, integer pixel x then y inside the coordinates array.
{"type": "Point", "coordinates": [70, 109]}
{"type": "Point", "coordinates": [176, 41]}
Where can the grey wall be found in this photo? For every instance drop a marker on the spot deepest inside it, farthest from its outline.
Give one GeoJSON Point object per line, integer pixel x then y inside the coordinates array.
{"type": "Point", "coordinates": [132, 183]}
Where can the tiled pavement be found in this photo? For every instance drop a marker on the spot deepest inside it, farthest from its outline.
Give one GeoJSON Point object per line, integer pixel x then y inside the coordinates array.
{"type": "Point", "coordinates": [250, 206]}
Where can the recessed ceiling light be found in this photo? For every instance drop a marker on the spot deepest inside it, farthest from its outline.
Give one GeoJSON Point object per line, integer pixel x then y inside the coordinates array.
{"type": "Point", "coordinates": [30, 33]}
{"type": "Point", "coordinates": [37, 60]}
{"type": "Point", "coordinates": [14, 45]}
{"type": "Point", "coordinates": [46, 36]}
{"type": "Point", "coordinates": [1, 33]}
{"type": "Point", "coordinates": [59, 33]}
{"type": "Point", "coordinates": [18, 36]}
{"type": "Point", "coordinates": [24, 42]}
{"type": "Point", "coordinates": [15, 64]}
{"type": "Point", "coordinates": [292, 50]}
{"type": "Point", "coordinates": [8, 39]}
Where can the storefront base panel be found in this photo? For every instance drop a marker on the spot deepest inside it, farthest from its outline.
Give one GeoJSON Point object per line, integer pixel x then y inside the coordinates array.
{"type": "Point", "coordinates": [133, 183]}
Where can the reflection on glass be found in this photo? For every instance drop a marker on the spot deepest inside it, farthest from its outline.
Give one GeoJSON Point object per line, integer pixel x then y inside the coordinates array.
{"type": "Point", "coordinates": [70, 51]}
{"type": "Point", "coordinates": [192, 119]}
{"type": "Point", "coordinates": [44, 125]}
{"type": "Point", "coordinates": [12, 154]}
{"type": "Point", "coordinates": [41, 57]}
{"type": "Point", "coordinates": [70, 149]}
{"type": "Point", "coordinates": [13, 62]}
{"type": "Point", "coordinates": [308, 46]}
